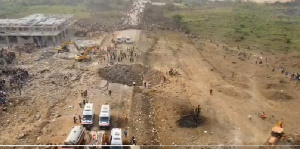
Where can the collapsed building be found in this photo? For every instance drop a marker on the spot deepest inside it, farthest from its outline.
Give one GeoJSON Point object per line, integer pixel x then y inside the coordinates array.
{"type": "Point", "coordinates": [37, 28]}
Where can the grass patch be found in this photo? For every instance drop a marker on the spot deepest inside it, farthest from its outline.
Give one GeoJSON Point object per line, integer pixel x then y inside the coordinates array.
{"type": "Point", "coordinates": [80, 11]}
{"type": "Point", "coordinates": [243, 24]}
{"type": "Point", "coordinates": [108, 12]}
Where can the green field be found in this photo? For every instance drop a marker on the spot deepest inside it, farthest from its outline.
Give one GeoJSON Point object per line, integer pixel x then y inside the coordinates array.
{"type": "Point", "coordinates": [258, 26]}
{"type": "Point", "coordinates": [80, 11]}
{"type": "Point", "coordinates": [108, 12]}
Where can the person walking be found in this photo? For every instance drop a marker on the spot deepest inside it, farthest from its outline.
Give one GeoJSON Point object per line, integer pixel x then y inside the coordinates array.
{"type": "Point", "coordinates": [211, 92]}
{"type": "Point", "coordinates": [125, 133]}
{"type": "Point", "coordinates": [263, 115]}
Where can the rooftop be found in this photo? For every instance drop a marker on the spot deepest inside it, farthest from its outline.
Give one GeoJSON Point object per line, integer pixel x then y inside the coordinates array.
{"type": "Point", "coordinates": [37, 20]}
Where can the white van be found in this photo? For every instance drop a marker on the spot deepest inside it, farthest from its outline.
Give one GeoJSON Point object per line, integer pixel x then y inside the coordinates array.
{"type": "Point", "coordinates": [88, 115]}
{"type": "Point", "coordinates": [104, 117]}
{"type": "Point", "coordinates": [119, 40]}
{"type": "Point", "coordinates": [116, 138]}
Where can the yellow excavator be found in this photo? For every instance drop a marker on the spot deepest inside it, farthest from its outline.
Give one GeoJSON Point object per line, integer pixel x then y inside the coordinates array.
{"type": "Point", "coordinates": [277, 134]}
{"type": "Point", "coordinates": [84, 55]}
{"type": "Point", "coordinates": [64, 48]}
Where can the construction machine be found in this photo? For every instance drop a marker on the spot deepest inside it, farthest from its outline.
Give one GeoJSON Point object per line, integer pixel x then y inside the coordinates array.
{"type": "Point", "coordinates": [276, 134]}
{"type": "Point", "coordinates": [64, 48]}
{"type": "Point", "coordinates": [84, 55]}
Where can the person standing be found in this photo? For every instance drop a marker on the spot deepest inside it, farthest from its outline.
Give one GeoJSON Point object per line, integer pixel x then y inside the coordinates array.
{"type": "Point", "coordinates": [125, 133]}
{"type": "Point", "coordinates": [133, 140]}
{"type": "Point", "coordinates": [79, 118]}
{"type": "Point", "coordinates": [211, 92]}
{"type": "Point", "coordinates": [79, 102]}
{"type": "Point", "coordinates": [74, 118]}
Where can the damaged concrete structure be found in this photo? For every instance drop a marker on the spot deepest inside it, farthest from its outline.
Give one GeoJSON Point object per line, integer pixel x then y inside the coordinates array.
{"type": "Point", "coordinates": [37, 28]}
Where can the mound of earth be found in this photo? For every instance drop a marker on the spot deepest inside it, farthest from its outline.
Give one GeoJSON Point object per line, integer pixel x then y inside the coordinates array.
{"type": "Point", "coordinates": [230, 91]}
{"type": "Point", "coordinates": [277, 95]}
{"type": "Point", "coordinates": [127, 74]}
{"type": "Point", "coordinates": [240, 84]}
{"type": "Point", "coordinates": [275, 86]}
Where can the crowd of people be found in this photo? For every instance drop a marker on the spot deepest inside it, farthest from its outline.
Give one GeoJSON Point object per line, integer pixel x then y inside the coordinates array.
{"type": "Point", "coordinates": [85, 29]}
{"type": "Point", "coordinates": [16, 77]}
{"type": "Point", "coordinates": [291, 75]}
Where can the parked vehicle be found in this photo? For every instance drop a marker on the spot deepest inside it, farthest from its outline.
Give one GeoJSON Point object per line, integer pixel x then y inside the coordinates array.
{"type": "Point", "coordinates": [88, 115]}
{"type": "Point", "coordinates": [119, 40]}
{"type": "Point", "coordinates": [75, 137]}
{"type": "Point", "coordinates": [128, 40]}
{"type": "Point", "coordinates": [116, 138]}
{"type": "Point", "coordinates": [104, 117]}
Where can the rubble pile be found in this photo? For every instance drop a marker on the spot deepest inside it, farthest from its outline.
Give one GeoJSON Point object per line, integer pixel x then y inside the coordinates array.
{"type": "Point", "coordinates": [154, 16]}
{"type": "Point", "coordinates": [6, 57]}
{"type": "Point", "coordinates": [127, 74]}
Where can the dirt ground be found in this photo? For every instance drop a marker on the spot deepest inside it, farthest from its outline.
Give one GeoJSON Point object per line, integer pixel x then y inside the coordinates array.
{"type": "Point", "coordinates": [160, 112]}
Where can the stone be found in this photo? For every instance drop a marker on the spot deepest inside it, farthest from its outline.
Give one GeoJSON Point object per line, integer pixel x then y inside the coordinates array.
{"type": "Point", "coordinates": [38, 116]}
{"type": "Point", "coordinates": [21, 135]}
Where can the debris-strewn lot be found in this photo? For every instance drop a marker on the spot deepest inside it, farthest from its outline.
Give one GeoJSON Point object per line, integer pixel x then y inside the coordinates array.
{"type": "Point", "coordinates": [188, 90]}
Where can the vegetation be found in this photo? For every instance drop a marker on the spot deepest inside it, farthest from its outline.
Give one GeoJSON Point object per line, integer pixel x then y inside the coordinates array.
{"type": "Point", "coordinates": [101, 10]}
{"type": "Point", "coordinates": [258, 26]}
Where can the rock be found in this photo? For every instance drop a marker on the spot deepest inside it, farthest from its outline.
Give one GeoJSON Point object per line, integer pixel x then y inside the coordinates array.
{"type": "Point", "coordinates": [38, 116]}
{"type": "Point", "coordinates": [21, 135]}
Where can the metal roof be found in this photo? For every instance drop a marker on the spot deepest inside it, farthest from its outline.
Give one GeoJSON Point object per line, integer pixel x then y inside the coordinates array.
{"type": "Point", "coordinates": [74, 135]}
{"type": "Point", "coordinates": [105, 108]}
{"type": "Point", "coordinates": [88, 106]}
{"type": "Point", "coordinates": [37, 20]}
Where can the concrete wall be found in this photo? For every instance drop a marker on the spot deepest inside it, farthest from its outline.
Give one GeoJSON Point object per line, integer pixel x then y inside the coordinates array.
{"type": "Point", "coordinates": [22, 41]}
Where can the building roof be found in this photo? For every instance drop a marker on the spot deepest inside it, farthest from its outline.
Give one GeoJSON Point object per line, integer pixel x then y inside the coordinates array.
{"type": "Point", "coordinates": [37, 20]}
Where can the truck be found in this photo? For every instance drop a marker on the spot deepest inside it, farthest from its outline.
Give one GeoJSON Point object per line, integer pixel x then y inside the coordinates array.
{"type": "Point", "coordinates": [104, 117]}
{"type": "Point", "coordinates": [75, 137]}
{"type": "Point", "coordinates": [88, 115]}
{"type": "Point", "coordinates": [79, 136]}
{"type": "Point", "coordinates": [116, 138]}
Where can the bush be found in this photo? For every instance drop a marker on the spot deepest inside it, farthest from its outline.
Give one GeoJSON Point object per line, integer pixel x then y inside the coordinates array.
{"type": "Point", "coordinates": [177, 19]}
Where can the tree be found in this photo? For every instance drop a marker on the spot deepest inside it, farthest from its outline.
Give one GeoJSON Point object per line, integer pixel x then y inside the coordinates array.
{"type": "Point", "coordinates": [177, 19]}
